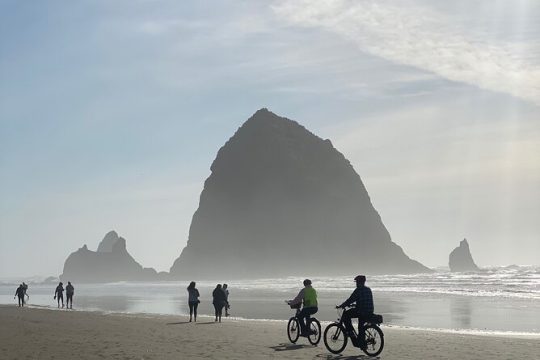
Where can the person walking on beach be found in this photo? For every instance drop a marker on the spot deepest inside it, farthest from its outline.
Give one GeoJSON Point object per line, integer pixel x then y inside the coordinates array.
{"type": "Point", "coordinates": [307, 296]}
{"type": "Point", "coordinates": [70, 290]}
{"type": "Point", "coordinates": [363, 310]}
{"type": "Point", "coordinates": [59, 294]}
{"type": "Point", "coordinates": [25, 288]}
{"type": "Point", "coordinates": [193, 300]}
{"type": "Point", "coordinates": [20, 294]}
{"type": "Point", "coordinates": [227, 306]}
{"type": "Point", "coordinates": [219, 301]}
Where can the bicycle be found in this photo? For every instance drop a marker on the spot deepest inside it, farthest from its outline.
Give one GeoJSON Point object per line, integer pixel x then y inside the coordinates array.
{"type": "Point", "coordinates": [293, 327]}
{"type": "Point", "coordinates": [336, 338]}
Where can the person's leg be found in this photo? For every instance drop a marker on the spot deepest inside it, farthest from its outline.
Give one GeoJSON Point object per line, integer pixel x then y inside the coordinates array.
{"type": "Point", "coordinates": [195, 306]}
{"type": "Point", "coordinates": [346, 317]}
{"type": "Point", "coordinates": [62, 298]}
{"type": "Point", "coordinates": [216, 307]}
{"type": "Point", "coordinates": [301, 316]}
{"type": "Point", "coordinates": [361, 332]}
{"type": "Point", "coordinates": [191, 305]}
{"type": "Point", "coordinates": [310, 311]}
{"type": "Point", "coordinates": [21, 301]}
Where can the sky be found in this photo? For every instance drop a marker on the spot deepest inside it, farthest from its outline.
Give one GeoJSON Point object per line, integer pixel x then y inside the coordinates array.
{"type": "Point", "coordinates": [111, 113]}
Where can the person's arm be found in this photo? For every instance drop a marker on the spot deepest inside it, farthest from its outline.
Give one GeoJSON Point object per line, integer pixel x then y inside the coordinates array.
{"type": "Point", "coordinates": [298, 299]}
{"type": "Point", "coordinates": [350, 300]}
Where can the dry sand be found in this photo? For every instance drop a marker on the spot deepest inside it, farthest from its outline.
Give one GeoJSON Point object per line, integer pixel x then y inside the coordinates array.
{"type": "Point", "coordinates": [31, 333]}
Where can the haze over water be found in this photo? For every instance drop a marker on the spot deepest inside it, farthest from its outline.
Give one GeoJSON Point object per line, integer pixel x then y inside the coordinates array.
{"type": "Point", "coordinates": [497, 300]}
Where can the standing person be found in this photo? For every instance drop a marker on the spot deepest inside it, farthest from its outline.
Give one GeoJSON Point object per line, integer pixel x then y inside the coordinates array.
{"type": "Point", "coordinates": [70, 290]}
{"type": "Point", "coordinates": [307, 296]}
{"type": "Point", "coordinates": [25, 288]}
{"type": "Point", "coordinates": [193, 300]}
{"type": "Point", "coordinates": [227, 306]}
{"type": "Point", "coordinates": [219, 301]}
{"type": "Point", "coordinates": [59, 294]}
{"type": "Point", "coordinates": [20, 294]}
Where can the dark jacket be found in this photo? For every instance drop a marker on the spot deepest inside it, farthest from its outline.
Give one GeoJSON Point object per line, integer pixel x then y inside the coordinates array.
{"type": "Point", "coordinates": [363, 298]}
{"type": "Point", "coordinates": [70, 290]}
{"type": "Point", "coordinates": [219, 297]}
{"type": "Point", "coordinates": [19, 292]}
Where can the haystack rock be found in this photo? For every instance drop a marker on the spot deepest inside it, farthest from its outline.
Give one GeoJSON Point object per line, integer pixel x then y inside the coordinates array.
{"type": "Point", "coordinates": [282, 201]}
{"type": "Point", "coordinates": [460, 258]}
{"type": "Point", "coordinates": [111, 262]}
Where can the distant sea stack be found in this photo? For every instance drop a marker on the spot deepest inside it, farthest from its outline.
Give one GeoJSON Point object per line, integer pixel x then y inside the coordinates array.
{"type": "Point", "coordinates": [111, 262]}
{"type": "Point", "coordinates": [460, 258]}
{"type": "Point", "coordinates": [282, 201]}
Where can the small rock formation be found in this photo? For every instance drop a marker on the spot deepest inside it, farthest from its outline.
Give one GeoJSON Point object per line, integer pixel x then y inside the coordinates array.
{"type": "Point", "coordinates": [460, 258]}
{"type": "Point", "coordinates": [282, 201]}
{"type": "Point", "coordinates": [111, 262]}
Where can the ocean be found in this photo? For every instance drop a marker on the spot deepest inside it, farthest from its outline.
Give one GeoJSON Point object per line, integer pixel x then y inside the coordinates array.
{"type": "Point", "coordinates": [498, 300]}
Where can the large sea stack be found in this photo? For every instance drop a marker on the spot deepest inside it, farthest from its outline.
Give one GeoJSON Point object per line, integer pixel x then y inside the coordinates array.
{"type": "Point", "coordinates": [282, 201]}
{"type": "Point", "coordinates": [460, 258]}
{"type": "Point", "coordinates": [111, 262]}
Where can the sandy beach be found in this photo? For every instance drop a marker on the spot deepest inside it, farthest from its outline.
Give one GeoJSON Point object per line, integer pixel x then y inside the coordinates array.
{"type": "Point", "coordinates": [32, 333]}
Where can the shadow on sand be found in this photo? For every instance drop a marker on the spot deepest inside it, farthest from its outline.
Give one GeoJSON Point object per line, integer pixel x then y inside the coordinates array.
{"type": "Point", "coordinates": [178, 323]}
{"type": "Point", "coordinates": [342, 357]}
{"type": "Point", "coordinates": [207, 323]}
{"type": "Point", "coordinates": [286, 347]}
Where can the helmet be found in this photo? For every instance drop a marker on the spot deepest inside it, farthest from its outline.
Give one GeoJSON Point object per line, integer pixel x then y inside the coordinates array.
{"type": "Point", "coordinates": [360, 278]}
{"type": "Point", "coordinates": [307, 282]}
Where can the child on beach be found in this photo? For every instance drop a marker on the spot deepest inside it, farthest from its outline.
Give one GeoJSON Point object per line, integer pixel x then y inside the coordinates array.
{"type": "Point", "coordinates": [227, 306]}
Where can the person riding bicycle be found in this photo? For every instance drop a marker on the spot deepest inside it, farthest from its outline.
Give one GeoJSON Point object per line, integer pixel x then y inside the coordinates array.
{"type": "Point", "coordinates": [363, 310]}
{"type": "Point", "coordinates": [307, 296]}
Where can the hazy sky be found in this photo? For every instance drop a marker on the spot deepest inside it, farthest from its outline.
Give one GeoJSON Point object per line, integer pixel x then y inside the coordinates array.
{"type": "Point", "coordinates": [111, 113]}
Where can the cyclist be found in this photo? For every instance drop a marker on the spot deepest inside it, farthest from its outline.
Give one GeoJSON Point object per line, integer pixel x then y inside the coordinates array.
{"type": "Point", "coordinates": [364, 307]}
{"type": "Point", "coordinates": [307, 296]}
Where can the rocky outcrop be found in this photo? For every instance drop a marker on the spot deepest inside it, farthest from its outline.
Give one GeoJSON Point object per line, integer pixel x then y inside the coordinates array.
{"type": "Point", "coordinates": [282, 201]}
{"type": "Point", "coordinates": [460, 258]}
{"type": "Point", "coordinates": [111, 262]}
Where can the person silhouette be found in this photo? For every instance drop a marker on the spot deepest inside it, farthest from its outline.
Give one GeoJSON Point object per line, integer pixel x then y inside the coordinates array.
{"type": "Point", "coordinates": [25, 288]}
{"type": "Point", "coordinates": [363, 299]}
{"type": "Point", "coordinates": [219, 301]}
{"type": "Point", "coordinates": [227, 306]}
{"type": "Point", "coordinates": [59, 294]}
{"type": "Point", "coordinates": [20, 294]}
{"type": "Point", "coordinates": [70, 290]}
{"type": "Point", "coordinates": [193, 300]}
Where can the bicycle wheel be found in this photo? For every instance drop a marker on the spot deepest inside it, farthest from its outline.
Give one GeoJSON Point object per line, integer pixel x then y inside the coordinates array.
{"type": "Point", "coordinates": [335, 338]}
{"type": "Point", "coordinates": [314, 331]}
{"type": "Point", "coordinates": [293, 330]}
{"type": "Point", "coordinates": [374, 340]}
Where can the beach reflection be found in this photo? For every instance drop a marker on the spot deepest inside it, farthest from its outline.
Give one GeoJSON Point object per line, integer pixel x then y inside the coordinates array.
{"type": "Point", "coordinates": [461, 312]}
{"type": "Point", "coordinates": [422, 310]}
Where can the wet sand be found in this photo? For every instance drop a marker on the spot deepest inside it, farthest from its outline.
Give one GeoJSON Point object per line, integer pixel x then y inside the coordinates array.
{"type": "Point", "coordinates": [32, 333]}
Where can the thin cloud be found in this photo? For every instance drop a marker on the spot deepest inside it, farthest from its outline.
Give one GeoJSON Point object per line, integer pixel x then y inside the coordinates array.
{"type": "Point", "coordinates": [420, 37]}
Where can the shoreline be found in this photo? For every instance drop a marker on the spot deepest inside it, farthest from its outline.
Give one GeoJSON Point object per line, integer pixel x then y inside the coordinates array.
{"type": "Point", "coordinates": [45, 334]}
{"type": "Point", "coordinates": [472, 332]}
